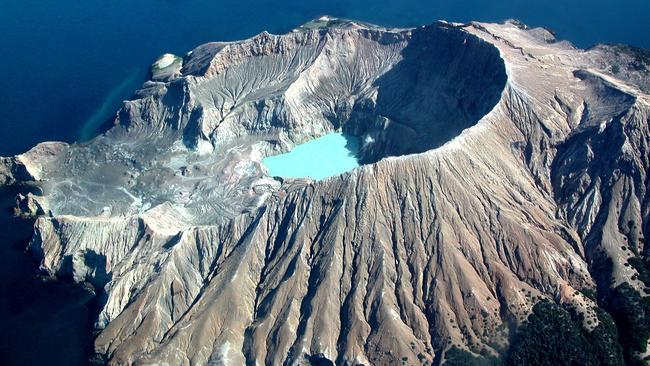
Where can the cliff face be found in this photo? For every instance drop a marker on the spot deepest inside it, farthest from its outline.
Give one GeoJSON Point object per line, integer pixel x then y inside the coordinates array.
{"type": "Point", "coordinates": [507, 168]}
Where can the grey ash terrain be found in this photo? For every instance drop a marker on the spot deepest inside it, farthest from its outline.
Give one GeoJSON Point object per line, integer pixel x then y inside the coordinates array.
{"type": "Point", "coordinates": [500, 215]}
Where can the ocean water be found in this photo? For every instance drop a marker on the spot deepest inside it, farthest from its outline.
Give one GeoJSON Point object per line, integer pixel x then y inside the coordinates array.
{"type": "Point", "coordinates": [324, 157]}
{"type": "Point", "coordinates": [67, 65]}
{"type": "Point", "coordinates": [41, 322]}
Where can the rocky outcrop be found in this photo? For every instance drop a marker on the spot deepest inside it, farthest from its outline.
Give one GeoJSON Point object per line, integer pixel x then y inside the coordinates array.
{"type": "Point", "coordinates": [503, 168]}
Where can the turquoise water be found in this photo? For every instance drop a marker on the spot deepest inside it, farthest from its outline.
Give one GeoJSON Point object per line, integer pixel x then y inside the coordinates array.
{"type": "Point", "coordinates": [324, 157]}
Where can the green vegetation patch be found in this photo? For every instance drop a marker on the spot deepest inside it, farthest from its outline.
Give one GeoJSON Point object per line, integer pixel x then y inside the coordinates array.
{"type": "Point", "coordinates": [459, 357]}
{"type": "Point", "coordinates": [640, 55]}
{"type": "Point", "coordinates": [631, 312]}
{"type": "Point", "coordinates": [553, 336]}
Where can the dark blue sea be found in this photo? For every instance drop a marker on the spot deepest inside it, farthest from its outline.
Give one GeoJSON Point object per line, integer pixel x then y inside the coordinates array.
{"type": "Point", "coordinates": [66, 65]}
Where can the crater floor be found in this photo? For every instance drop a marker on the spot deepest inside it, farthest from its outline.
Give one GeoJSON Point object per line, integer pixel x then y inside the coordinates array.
{"type": "Point", "coordinates": [191, 144]}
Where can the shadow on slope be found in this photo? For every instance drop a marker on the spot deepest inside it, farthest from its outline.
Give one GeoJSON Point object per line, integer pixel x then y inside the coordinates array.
{"type": "Point", "coordinates": [447, 81]}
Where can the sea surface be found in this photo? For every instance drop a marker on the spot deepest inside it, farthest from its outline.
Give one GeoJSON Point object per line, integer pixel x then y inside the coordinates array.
{"type": "Point", "coordinates": [41, 322]}
{"type": "Point", "coordinates": [324, 157]}
{"type": "Point", "coordinates": [67, 65]}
